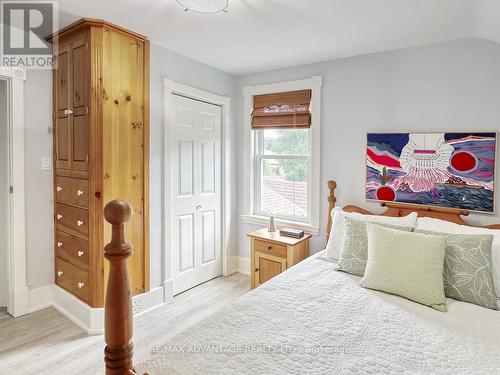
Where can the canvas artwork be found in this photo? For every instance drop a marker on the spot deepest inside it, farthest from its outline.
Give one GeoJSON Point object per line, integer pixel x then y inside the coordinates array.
{"type": "Point", "coordinates": [454, 170]}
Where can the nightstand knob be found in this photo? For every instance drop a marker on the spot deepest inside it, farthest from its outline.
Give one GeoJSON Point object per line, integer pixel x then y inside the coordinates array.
{"type": "Point", "coordinates": [269, 248]}
{"type": "Point", "coordinates": [256, 270]}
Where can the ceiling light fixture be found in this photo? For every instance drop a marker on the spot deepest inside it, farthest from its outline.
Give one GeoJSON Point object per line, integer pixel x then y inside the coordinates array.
{"type": "Point", "coordinates": [204, 6]}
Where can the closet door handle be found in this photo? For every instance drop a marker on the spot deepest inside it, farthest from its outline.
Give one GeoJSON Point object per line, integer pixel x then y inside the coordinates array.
{"type": "Point", "coordinates": [59, 216]}
{"type": "Point", "coordinates": [66, 112]}
{"type": "Point", "coordinates": [59, 244]}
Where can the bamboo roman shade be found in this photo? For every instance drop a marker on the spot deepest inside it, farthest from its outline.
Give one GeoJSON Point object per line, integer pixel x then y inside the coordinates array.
{"type": "Point", "coordinates": [282, 110]}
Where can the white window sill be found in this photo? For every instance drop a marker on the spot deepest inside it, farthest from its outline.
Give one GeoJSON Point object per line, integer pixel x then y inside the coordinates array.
{"type": "Point", "coordinates": [280, 223]}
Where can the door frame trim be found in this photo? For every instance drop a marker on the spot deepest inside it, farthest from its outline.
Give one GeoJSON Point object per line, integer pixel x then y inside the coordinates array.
{"type": "Point", "coordinates": [173, 87]}
{"type": "Point", "coordinates": [17, 287]}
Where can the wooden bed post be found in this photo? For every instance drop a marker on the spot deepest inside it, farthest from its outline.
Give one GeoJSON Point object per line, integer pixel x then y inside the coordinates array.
{"type": "Point", "coordinates": [118, 308]}
{"type": "Point", "coordinates": [332, 200]}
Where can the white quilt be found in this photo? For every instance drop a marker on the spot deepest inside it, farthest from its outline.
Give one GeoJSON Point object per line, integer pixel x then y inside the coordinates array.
{"type": "Point", "coordinates": [315, 320]}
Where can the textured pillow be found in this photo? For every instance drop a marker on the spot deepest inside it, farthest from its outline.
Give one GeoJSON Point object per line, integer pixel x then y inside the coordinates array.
{"type": "Point", "coordinates": [407, 264]}
{"type": "Point", "coordinates": [468, 275]}
{"type": "Point", "coordinates": [495, 249]}
{"type": "Point", "coordinates": [437, 225]}
{"type": "Point", "coordinates": [355, 245]}
{"type": "Point", "coordinates": [334, 245]}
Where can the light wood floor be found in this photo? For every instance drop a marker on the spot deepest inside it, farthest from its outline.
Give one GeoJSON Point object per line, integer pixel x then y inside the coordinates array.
{"type": "Point", "coordinates": [45, 342]}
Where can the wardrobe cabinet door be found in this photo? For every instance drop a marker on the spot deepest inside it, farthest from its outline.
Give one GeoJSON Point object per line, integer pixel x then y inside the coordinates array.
{"type": "Point", "coordinates": [80, 110]}
{"type": "Point", "coordinates": [62, 131]}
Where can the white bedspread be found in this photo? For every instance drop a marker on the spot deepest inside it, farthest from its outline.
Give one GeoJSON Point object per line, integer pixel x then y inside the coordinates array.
{"type": "Point", "coordinates": [315, 320]}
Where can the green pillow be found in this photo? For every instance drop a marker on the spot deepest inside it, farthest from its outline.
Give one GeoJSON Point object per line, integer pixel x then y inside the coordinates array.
{"type": "Point", "coordinates": [354, 250]}
{"type": "Point", "coordinates": [468, 273]}
{"type": "Point", "coordinates": [406, 264]}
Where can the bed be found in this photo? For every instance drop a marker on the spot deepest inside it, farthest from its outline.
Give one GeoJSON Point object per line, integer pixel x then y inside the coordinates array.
{"type": "Point", "coordinates": [312, 319]}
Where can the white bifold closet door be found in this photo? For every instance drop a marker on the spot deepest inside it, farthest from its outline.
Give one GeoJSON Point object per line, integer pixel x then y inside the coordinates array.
{"type": "Point", "coordinates": [196, 187]}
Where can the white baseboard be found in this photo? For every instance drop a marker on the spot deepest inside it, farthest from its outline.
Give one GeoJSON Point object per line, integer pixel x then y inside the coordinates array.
{"type": "Point", "coordinates": [89, 319]}
{"type": "Point", "coordinates": [241, 265]}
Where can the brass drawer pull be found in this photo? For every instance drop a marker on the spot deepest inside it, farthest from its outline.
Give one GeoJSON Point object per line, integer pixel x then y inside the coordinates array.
{"type": "Point", "coordinates": [59, 189]}
{"type": "Point", "coordinates": [59, 216]}
{"type": "Point", "coordinates": [79, 223]}
{"type": "Point", "coordinates": [80, 253]}
{"type": "Point", "coordinates": [80, 285]}
{"type": "Point", "coordinates": [60, 273]}
{"type": "Point", "coordinates": [79, 193]}
{"type": "Point", "coordinates": [59, 244]}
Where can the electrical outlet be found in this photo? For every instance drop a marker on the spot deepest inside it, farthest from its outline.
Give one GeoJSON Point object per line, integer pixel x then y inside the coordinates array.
{"type": "Point", "coordinates": [46, 164]}
{"type": "Point", "coordinates": [136, 306]}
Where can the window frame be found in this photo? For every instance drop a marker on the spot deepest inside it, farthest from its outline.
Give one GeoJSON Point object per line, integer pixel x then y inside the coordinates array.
{"type": "Point", "coordinates": [259, 156]}
{"type": "Point", "coordinates": [250, 214]}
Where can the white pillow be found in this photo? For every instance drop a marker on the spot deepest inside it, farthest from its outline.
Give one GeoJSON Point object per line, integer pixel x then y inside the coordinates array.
{"type": "Point", "coordinates": [334, 244]}
{"type": "Point", "coordinates": [437, 225]}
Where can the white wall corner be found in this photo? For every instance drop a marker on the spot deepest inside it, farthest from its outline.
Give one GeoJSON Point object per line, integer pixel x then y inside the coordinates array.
{"type": "Point", "coordinates": [41, 298]}
{"type": "Point", "coordinates": [243, 265]}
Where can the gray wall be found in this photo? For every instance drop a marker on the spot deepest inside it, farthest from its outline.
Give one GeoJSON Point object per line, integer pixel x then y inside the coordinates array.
{"type": "Point", "coordinates": [39, 192]}
{"type": "Point", "coordinates": [450, 86]}
{"type": "Point", "coordinates": [39, 196]}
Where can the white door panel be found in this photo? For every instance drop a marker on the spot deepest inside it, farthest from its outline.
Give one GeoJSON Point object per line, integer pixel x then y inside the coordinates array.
{"type": "Point", "coordinates": [196, 196]}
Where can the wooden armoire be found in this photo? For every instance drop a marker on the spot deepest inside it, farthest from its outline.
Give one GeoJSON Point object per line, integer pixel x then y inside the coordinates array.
{"type": "Point", "coordinates": [101, 152]}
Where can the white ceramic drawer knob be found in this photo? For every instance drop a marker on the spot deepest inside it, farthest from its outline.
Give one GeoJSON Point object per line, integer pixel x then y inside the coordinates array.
{"type": "Point", "coordinates": [80, 253]}
{"type": "Point", "coordinates": [60, 273]}
{"type": "Point", "coordinates": [79, 193]}
{"type": "Point", "coordinates": [59, 189]}
{"type": "Point", "coordinates": [59, 216]}
{"type": "Point", "coordinates": [79, 223]}
{"type": "Point", "coordinates": [59, 244]}
{"type": "Point", "coordinates": [80, 285]}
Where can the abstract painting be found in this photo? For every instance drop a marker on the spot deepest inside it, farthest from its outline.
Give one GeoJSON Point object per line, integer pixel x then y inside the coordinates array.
{"type": "Point", "coordinates": [454, 170]}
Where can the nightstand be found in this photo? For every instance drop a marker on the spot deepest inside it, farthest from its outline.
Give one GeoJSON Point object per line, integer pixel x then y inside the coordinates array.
{"type": "Point", "coordinates": [272, 254]}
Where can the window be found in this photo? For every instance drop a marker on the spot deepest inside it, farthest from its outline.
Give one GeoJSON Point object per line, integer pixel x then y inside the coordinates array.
{"type": "Point", "coordinates": [282, 173]}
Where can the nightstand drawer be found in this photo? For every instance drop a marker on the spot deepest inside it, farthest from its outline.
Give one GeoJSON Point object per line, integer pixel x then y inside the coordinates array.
{"type": "Point", "coordinates": [270, 247]}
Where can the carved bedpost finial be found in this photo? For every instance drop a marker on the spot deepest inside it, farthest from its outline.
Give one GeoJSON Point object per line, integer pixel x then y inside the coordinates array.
{"type": "Point", "coordinates": [332, 200]}
{"type": "Point", "coordinates": [118, 310]}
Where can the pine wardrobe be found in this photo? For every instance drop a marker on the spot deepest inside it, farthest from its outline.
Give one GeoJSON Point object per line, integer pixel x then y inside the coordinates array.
{"type": "Point", "coordinates": [101, 152]}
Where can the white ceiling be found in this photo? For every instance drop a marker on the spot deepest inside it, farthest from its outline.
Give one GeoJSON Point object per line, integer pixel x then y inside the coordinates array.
{"type": "Point", "coordinates": [258, 35]}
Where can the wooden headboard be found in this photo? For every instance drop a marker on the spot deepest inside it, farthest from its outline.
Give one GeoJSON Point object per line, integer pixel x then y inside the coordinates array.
{"type": "Point", "coordinates": [402, 209]}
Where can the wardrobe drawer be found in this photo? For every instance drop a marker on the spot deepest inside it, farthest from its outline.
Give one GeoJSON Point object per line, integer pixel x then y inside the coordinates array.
{"type": "Point", "coordinates": [74, 218]}
{"type": "Point", "coordinates": [73, 191]}
{"type": "Point", "coordinates": [270, 247]}
{"type": "Point", "coordinates": [72, 249]}
{"type": "Point", "coordinates": [73, 279]}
